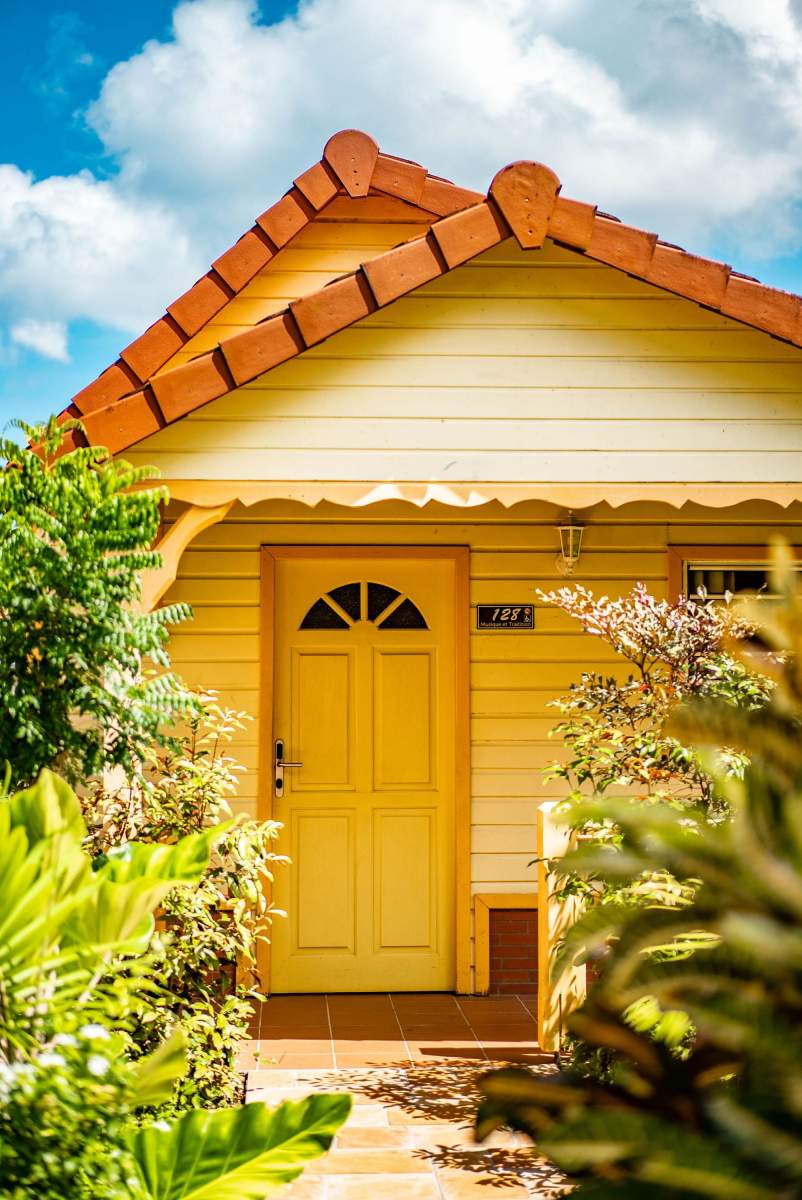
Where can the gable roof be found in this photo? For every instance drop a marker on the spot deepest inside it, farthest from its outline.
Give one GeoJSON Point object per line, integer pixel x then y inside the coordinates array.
{"type": "Point", "coordinates": [351, 166]}
{"type": "Point", "coordinates": [128, 402]}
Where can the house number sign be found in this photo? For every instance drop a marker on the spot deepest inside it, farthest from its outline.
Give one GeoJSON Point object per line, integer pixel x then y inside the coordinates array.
{"type": "Point", "coordinates": [505, 616]}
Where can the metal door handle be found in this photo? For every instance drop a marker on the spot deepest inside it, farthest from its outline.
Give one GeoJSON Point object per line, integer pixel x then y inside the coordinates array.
{"type": "Point", "coordinates": [280, 764]}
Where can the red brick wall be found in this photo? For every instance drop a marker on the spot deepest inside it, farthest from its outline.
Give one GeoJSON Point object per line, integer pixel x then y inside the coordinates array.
{"type": "Point", "coordinates": [513, 951]}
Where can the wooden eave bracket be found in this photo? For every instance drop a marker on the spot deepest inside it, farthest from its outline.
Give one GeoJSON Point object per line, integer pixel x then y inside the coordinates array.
{"type": "Point", "coordinates": [192, 522]}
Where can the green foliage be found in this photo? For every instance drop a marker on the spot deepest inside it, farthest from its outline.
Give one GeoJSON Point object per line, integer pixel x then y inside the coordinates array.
{"type": "Point", "coordinates": [75, 938]}
{"type": "Point", "coordinates": [209, 929]}
{"type": "Point", "coordinates": [71, 937]}
{"type": "Point", "coordinates": [64, 1118]}
{"type": "Point", "coordinates": [615, 731]}
{"type": "Point", "coordinates": [239, 1154]}
{"type": "Point", "coordinates": [720, 1116]}
{"type": "Point", "coordinates": [618, 739]}
{"type": "Point", "coordinates": [75, 535]}
{"type": "Point", "coordinates": [67, 1130]}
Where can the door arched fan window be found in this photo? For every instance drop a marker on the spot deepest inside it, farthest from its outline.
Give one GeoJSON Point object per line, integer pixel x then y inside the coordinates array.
{"type": "Point", "coordinates": [381, 605]}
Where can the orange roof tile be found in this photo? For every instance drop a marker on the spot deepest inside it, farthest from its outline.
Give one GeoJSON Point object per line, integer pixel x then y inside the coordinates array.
{"type": "Point", "coordinates": [351, 166]}
{"type": "Point", "coordinates": [125, 404]}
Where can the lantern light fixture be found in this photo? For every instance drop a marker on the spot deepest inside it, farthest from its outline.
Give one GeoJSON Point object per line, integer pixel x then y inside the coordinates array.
{"type": "Point", "coordinates": [570, 532]}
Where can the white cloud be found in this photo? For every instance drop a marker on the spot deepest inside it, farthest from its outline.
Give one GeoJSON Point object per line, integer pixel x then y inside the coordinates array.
{"type": "Point", "coordinates": [73, 247]}
{"type": "Point", "coordinates": [48, 338]}
{"type": "Point", "coordinates": [680, 115]}
{"type": "Point", "coordinates": [222, 116]}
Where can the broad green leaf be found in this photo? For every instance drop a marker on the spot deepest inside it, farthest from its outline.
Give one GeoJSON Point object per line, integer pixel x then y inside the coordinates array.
{"type": "Point", "coordinates": [49, 807]}
{"type": "Point", "coordinates": [155, 1074]}
{"type": "Point", "coordinates": [236, 1153]}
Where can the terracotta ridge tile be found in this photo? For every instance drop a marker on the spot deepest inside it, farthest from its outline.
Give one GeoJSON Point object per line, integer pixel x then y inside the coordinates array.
{"type": "Point", "coordinates": [404, 268]}
{"type": "Point", "coordinates": [319, 185]}
{"type": "Point", "coordinates": [257, 350]}
{"type": "Point", "coordinates": [124, 405]}
{"type": "Point", "coordinates": [621, 245]}
{"type": "Point", "coordinates": [699, 279]}
{"type": "Point", "coordinates": [465, 234]}
{"type": "Point", "coordinates": [116, 381]}
{"type": "Point", "coordinates": [205, 298]}
{"type": "Point", "coordinates": [287, 217]}
{"type": "Point", "coordinates": [352, 156]}
{"type": "Point", "coordinates": [154, 347]}
{"type": "Point", "coordinates": [398, 177]}
{"type": "Point", "coordinates": [571, 223]}
{"type": "Point", "coordinates": [241, 262]}
{"type": "Point", "coordinates": [768, 308]}
{"type": "Point", "coordinates": [125, 422]}
{"type": "Point", "coordinates": [526, 193]}
{"type": "Point", "coordinates": [442, 197]}
{"type": "Point", "coordinates": [188, 387]}
{"type": "Point", "coordinates": [333, 307]}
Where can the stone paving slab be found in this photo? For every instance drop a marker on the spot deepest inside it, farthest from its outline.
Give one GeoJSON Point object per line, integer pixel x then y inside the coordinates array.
{"type": "Point", "coordinates": [410, 1133]}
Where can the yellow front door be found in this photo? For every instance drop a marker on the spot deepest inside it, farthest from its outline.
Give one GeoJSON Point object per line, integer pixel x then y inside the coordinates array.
{"type": "Point", "coordinates": [364, 698]}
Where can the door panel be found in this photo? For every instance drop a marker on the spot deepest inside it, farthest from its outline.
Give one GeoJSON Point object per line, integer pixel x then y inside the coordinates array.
{"type": "Point", "coordinates": [406, 867]}
{"type": "Point", "coordinates": [322, 718]}
{"type": "Point", "coordinates": [364, 696]}
{"type": "Point", "coordinates": [404, 729]}
{"type": "Point", "coordinates": [323, 918]}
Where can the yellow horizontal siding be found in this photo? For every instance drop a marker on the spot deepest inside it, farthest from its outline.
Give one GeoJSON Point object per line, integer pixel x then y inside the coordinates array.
{"type": "Point", "coordinates": [515, 677]}
{"type": "Point", "coordinates": [518, 367]}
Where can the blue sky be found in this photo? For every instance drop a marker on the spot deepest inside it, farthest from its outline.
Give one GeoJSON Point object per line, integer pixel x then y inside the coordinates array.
{"type": "Point", "coordinates": [139, 140]}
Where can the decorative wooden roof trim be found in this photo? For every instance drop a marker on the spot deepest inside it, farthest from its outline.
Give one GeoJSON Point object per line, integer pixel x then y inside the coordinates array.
{"type": "Point", "coordinates": [352, 165]}
{"type": "Point", "coordinates": [523, 201]}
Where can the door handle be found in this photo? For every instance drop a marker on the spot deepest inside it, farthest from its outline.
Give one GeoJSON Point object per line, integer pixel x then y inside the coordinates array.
{"type": "Point", "coordinates": [280, 765]}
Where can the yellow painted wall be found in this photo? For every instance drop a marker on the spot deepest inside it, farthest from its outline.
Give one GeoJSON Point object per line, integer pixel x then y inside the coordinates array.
{"type": "Point", "coordinates": [513, 676]}
{"type": "Point", "coordinates": [520, 366]}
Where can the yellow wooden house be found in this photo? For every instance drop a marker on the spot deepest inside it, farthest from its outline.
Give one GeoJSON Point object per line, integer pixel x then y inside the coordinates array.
{"type": "Point", "coordinates": [373, 414]}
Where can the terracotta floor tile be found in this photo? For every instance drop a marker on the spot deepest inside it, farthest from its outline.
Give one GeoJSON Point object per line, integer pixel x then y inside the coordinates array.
{"type": "Point", "coordinates": [275, 1029]}
{"type": "Point", "coordinates": [450, 1027]}
{"type": "Point", "coordinates": [442, 1050]}
{"type": "Point", "coordinates": [383, 1187]}
{"type": "Point", "coordinates": [291, 1059]}
{"type": "Point", "coordinates": [364, 1046]}
{"type": "Point", "coordinates": [295, 1045]}
{"type": "Point", "coordinates": [360, 1033]}
{"type": "Point", "coordinates": [355, 1137]}
{"type": "Point", "coordinates": [370, 1162]}
{"type": "Point", "coordinates": [409, 1135]}
{"type": "Point", "coordinates": [349, 1004]}
{"type": "Point", "coordinates": [375, 1059]}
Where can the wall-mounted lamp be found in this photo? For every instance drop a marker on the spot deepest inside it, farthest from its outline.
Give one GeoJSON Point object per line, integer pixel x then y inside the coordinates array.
{"type": "Point", "coordinates": [570, 545]}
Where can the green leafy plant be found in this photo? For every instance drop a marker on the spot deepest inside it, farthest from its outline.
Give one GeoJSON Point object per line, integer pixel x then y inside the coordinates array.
{"type": "Point", "coordinates": [615, 731]}
{"type": "Point", "coordinates": [75, 534]}
{"type": "Point", "coordinates": [237, 1154]}
{"type": "Point", "coordinates": [74, 943]}
{"type": "Point", "coordinates": [722, 1115]}
{"type": "Point", "coordinates": [68, 1130]}
{"type": "Point", "coordinates": [64, 1120]}
{"type": "Point", "coordinates": [71, 937]}
{"type": "Point", "coordinates": [205, 948]}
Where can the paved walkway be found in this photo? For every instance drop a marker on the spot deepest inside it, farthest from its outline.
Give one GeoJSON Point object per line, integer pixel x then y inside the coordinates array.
{"type": "Point", "coordinates": [410, 1061]}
